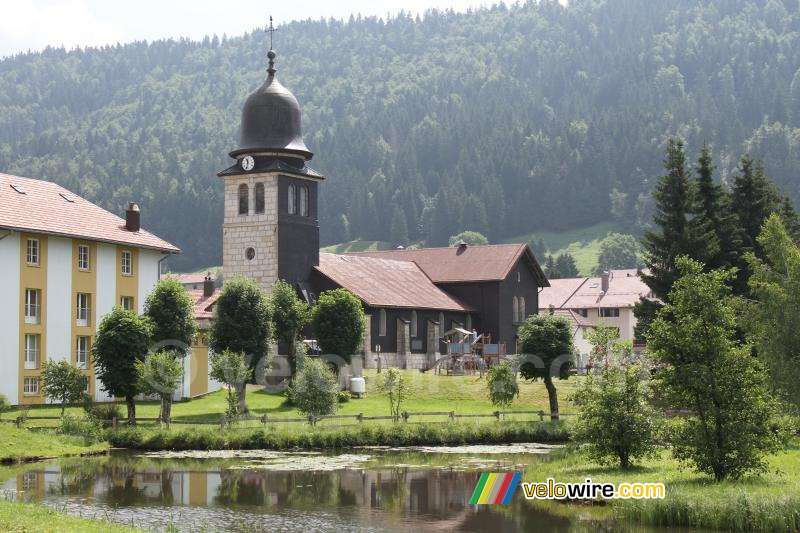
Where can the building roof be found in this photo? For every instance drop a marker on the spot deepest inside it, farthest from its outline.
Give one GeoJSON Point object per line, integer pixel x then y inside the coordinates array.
{"type": "Point", "coordinates": [462, 264]}
{"type": "Point", "coordinates": [204, 305]}
{"type": "Point", "coordinates": [44, 207]}
{"type": "Point", "coordinates": [386, 283]}
{"type": "Point", "coordinates": [188, 279]}
{"type": "Point", "coordinates": [574, 318]}
{"type": "Point", "coordinates": [625, 288]}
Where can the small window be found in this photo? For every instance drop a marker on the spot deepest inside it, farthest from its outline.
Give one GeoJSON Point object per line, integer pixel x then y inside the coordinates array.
{"type": "Point", "coordinates": [608, 312]}
{"type": "Point", "coordinates": [83, 309]}
{"type": "Point", "coordinates": [127, 263]}
{"type": "Point", "coordinates": [522, 311]}
{"type": "Point", "coordinates": [31, 352]}
{"type": "Point", "coordinates": [583, 312]}
{"type": "Point", "coordinates": [31, 386]}
{"type": "Point", "coordinates": [414, 324]}
{"type": "Point", "coordinates": [32, 306]}
{"type": "Point", "coordinates": [303, 201]}
{"type": "Point", "coordinates": [82, 352]}
{"type": "Point", "coordinates": [126, 302]}
{"type": "Point", "coordinates": [33, 252]}
{"type": "Point", "coordinates": [382, 323]}
{"type": "Point", "coordinates": [259, 197]}
{"type": "Point", "coordinates": [244, 199]}
{"type": "Point", "coordinates": [515, 310]}
{"type": "Point", "coordinates": [519, 277]}
{"type": "Point", "coordinates": [291, 199]}
{"type": "Point", "coordinates": [83, 257]}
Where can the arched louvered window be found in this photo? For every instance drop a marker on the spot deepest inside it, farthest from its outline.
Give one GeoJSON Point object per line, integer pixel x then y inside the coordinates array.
{"type": "Point", "coordinates": [303, 201]}
{"type": "Point", "coordinates": [291, 199]}
{"type": "Point", "coordinates": [259, 198]}
{"type": "Point", "coordinates": [413, 327]}
{"type": "Point", "coordinates": [515, 311]}
{"type": "Point", "coordinates": [382, 323]}
{"type": "Point", "coordinates": [244, 199]}
{"type": "Point", "coordinates": [522, 311]}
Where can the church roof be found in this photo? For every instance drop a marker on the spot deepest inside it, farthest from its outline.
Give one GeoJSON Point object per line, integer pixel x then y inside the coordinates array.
{"type": "Point", "coordinates": [461, 264]}
{"type": "Point", "coordinates": [386, 283]}
{"type": "Point", "coordinates": [40, 206]}
{"type": "Point", "coordinates": [271, 120]}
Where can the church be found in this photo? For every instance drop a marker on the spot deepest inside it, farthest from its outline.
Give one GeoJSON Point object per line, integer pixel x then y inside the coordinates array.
{"type": "Point", "coordinates": [414, 299]}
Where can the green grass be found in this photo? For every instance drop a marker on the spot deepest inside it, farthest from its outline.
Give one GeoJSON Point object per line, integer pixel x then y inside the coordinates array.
{"type": "Point", "coordinates": [767, 503]}
{"type": "Point", "coordinates": [20, 517]}
{"type": "Point", "coordinates": [429, 392]}
{"type": "Point", "coordinates": [582, 243]}
{"type": "Point", "coordinates": [22, 444]}
{"type": "Point", "coordinates": [356, 246]}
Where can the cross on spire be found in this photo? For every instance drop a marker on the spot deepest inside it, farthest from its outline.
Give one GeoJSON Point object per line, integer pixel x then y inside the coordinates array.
{"type": "Point", "coordinates": [271, 30]}
{"type": "Point", "coordinates": [271, 54]}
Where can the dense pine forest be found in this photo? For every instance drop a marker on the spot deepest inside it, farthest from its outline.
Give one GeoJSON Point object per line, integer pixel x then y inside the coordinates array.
{"type": "Point", "coordinates": [503, 121]}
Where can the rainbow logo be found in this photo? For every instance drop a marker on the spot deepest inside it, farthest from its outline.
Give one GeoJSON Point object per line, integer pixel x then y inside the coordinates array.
{"type": "Point", "coordinates": [495, 488]}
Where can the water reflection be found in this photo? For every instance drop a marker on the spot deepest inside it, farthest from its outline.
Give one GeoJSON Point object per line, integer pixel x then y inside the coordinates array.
{"type": "Point", "coordinates": [194, 495]}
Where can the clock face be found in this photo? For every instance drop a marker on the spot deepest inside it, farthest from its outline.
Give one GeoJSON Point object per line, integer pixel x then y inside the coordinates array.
{"type": "Point", "coordinates": [248, 163]}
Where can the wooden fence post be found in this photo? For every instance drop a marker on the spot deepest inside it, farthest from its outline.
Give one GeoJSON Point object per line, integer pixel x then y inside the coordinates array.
{"type": "Point", "coordinates": [452, 415]}
{"type": "Point", "coordinates": [541, 416]}
{"type": "Point", "coordinates": [497, 414]}
{"type": "Point", "coordinates": [360, 417]}
{"type": "Point", "coordinates": [405, 416]}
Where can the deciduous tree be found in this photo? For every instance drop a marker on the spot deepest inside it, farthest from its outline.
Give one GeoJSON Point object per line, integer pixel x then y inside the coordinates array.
{"type": "Point", "coordinates": [63, 383]}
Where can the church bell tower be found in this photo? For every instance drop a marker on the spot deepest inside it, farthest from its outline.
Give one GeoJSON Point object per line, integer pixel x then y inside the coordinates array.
{"type": "Point", "coordinates": [270, 228]}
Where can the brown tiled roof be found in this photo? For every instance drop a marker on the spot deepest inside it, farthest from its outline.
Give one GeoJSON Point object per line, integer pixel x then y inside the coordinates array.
{"type": "Point", "coordinates": [51, 209]}
{"type": "Point", "coordinates": [457, 265]}
{"type": "Point", "coordinates": [204, 305]}
{"type": "Point", "coordinates": [189, 279]}
{"type": "Point", "coordinates": [574, 318]}
{"type": "Point", "coordinates": [386, 283]}
{"type": "Point", "coordinates": [625, 288]}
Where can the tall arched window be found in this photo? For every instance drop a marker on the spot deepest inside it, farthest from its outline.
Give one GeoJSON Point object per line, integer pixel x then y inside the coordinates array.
{"type": "Point", "coordinates": [413, 323]}
{"type": "Point", "coordinates": [522, 310]}
{"type": "Point", "coordinates": [291, 199]}
{"type": "Point", "coordinates": [515, 311]}
{"type": "Point", "coordinates": [382, 323]}
{"type": "Point", "coordinates": [303, 201]}
{"type": "Point", "coordinates": [441, 323]}
{"type": "Point", "coordinates": [244, 199]}
{"type": "Point", "coordinates": [469, 322]}
{"type": "Point", "coordinates": [259, 197]}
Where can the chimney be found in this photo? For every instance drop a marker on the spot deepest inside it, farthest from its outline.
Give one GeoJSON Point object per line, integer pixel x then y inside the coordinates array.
{"type": "Point", "coordinates": [132, 217]}
{"type": "Point", "coordinates": [604, 280]}
{"type": "Point", "coordinates": [462, 246]}
{"type": "Point", "coordinates": [208, 285]}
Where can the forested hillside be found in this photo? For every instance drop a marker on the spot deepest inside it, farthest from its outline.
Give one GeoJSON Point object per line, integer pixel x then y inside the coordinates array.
{"type": "Point", "coordinates": [503, 121]}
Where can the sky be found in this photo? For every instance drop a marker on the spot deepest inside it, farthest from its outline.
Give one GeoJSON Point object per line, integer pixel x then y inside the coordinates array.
{"type": "Point", "coordinates": [34, 24]}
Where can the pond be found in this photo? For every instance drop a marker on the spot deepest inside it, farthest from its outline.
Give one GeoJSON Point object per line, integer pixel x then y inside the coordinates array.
{"type": "Point", "coordinates": [364, 490]}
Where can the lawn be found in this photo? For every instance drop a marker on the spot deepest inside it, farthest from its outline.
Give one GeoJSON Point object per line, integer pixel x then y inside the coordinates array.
{"type": "Point", "coordinates": [770, 502]}
{"type": "Point", "coordinates": [20, 517]}
{"type": "Point", "coordinates": [429, 392]}
{"type": "Point", "coordinates": [19, 444]}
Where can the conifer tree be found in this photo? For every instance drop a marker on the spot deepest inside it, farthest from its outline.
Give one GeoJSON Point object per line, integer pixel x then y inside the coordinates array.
{"type": "Point", "coordinates": [566, 266]}
{"type": "Point", "coordinates": [753, 198]}
{"type": "Point", "coordinates": [714, 213]}
{"type": "Point", "coordinates": [399, 229]}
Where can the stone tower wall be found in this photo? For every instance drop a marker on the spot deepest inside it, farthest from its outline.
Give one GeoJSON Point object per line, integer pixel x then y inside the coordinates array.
{"type": "Point", "coordinates": [257, 231]}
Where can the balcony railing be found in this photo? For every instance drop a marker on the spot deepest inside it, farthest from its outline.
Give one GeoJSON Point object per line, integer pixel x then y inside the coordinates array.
{"type": "Point", "coordinates": [83, 316]}
{"type": "Point", "coordinates": [32, 313]}
{"type": "Point", "coordinates": [31, 359]}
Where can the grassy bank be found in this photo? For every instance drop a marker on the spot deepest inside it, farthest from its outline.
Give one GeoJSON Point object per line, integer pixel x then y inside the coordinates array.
{"type": "Point", "coordinates": [397, 434]}
{"type": "Point", "coordinates": [21, 444]}
{"type": "Point", "coordinates": [20, 517]}
{"type": "Point", "coordinates": [767, 503]}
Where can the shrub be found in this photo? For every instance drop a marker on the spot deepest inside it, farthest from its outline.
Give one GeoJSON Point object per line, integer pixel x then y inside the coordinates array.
{"type": "Point", "coordinates": [344, 396]}
{"type": "Point", "coordinates": [103, 412]}
{"type": "Point", "coordinates": [4, 405]}
{"type": "Point", "coordinates": [87, 428]}
{"type": "Point", "coordinates": [315, 391]}
{"type": "Point", "coordinates": [502, 384]}
{"type": "Point", "coordinates": [338, 323]}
